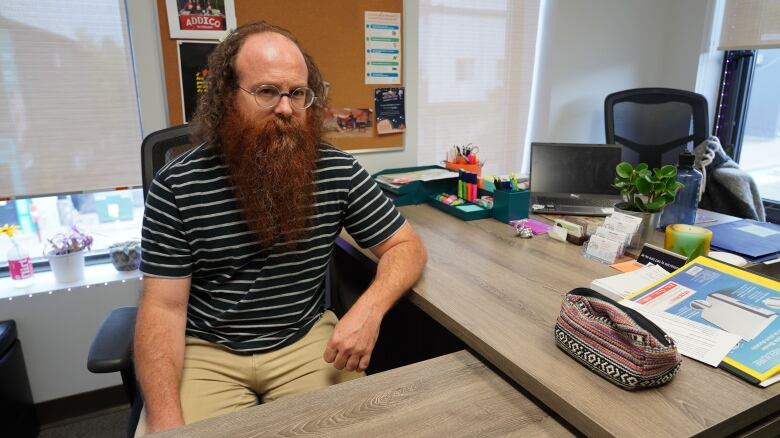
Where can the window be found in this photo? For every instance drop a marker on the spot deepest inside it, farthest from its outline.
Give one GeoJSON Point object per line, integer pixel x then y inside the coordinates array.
{"type": "Point", "coordinates": [110, 217]}
{"type": "Point", "coordinates": [748, 112]}
{"type": "Point", "coordinates": [69, 122]}
{"type": "Point", "coordinates": [475, 72]}
{"type": "Point", "coordinates": [760, 151]}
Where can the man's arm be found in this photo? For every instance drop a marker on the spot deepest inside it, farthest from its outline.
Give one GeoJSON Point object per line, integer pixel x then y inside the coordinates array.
{"type": "Point", "coordinates": [401, 261]}
{"type": "Point", "coordinates": [159, 349]}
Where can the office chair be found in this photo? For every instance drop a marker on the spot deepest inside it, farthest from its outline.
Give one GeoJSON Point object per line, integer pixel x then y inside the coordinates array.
{"type": "Point", "coordinates": [655, 124]}
{"type": "Point", "coordinates": [112, 347]}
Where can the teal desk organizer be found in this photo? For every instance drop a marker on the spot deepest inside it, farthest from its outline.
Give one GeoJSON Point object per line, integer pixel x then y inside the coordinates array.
{"type": "Point", "coordinates": [465, 212]}
{"type": "Point", "coordinates": [510, 205]}
{"type": "Point", "coordinates": [414, 192]}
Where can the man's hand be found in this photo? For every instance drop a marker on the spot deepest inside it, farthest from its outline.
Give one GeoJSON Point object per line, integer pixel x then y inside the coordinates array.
{"type": "Point", "coordinates": [353, 339]}
{"type": "Point", "coordinates": [401, 260]}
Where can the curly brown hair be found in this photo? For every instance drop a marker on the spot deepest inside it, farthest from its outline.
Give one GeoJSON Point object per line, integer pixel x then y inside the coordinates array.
{"type": "Point", "coordinates": [222, 83]}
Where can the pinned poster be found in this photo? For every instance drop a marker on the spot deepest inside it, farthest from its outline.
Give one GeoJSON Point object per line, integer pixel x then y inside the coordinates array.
{"type": "Point", "coordinates": [390, 111]}
{"type": "Point", "coordinates": [383, 47]}
{"type": "Point", "coordinates": [193, 73]}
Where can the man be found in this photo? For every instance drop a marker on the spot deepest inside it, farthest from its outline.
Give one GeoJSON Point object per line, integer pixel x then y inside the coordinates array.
{"type": "Point", "coordinates": [237, 235]}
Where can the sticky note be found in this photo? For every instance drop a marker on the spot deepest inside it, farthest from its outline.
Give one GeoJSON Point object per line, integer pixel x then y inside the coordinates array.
{"type": "Point", "coordinates": [469, 208]}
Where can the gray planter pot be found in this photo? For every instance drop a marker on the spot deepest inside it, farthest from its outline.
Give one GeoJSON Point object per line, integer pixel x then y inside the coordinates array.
{"type": "Point", "coordinates": [648, 226]}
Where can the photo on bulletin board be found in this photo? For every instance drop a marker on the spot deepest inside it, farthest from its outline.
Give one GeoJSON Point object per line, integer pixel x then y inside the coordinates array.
{"type": "Point", "coordinates": [200, 19]}
{"type": "Point", "coordinates": [193, 72]}
{"type": "Point", "coordinates": [348, 122]}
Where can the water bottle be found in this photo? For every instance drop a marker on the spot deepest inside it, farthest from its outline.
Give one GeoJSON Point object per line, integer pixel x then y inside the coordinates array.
{"type": "Point", "coordinates": [20, 266]}
{"type": "Point", "coordinates": [683, 209]}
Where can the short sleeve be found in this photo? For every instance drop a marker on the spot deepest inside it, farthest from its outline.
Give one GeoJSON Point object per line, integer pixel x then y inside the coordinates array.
{"type": "Point", "coordinates": [165, 251]}
{"type": "Point", "coordinates": [371, 218]}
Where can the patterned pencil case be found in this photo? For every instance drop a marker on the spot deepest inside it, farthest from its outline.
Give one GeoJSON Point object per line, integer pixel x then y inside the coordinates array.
{"type": "Point", "coordinates": [614, 341]}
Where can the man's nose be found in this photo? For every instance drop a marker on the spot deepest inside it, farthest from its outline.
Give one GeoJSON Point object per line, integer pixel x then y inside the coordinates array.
{"type": "Point", "coordinates": [284, 106]}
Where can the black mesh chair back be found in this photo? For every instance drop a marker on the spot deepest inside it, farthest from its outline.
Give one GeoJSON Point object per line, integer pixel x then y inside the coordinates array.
{"type": "Point", "coordinates": [112, 346]}
{"type": "Point", "coordinates": [655, 124]}
{"type": "Point", "coordinates": [160, 147]}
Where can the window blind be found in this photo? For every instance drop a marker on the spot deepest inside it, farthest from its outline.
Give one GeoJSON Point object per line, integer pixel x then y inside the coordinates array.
{"type": "Point", "coordinates": [475, 75]}
{"type": "Point", "coordinates": [69, 117]}
{"type": "Point", "coordinates": [750, 24]}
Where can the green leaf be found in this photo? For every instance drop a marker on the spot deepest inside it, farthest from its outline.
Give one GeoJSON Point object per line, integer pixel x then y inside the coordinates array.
{"type": "Point", "coordinates": [655, 204]}
{"type": "Point", "coordinates": [668, 198]}
{"type": "Point", "coordinates": [644, 173]}
{"type": "Point", "coordinates": [671, 184]}
{"type": "Point", "coordinates": [619, 184]}
{"type": "Point", "coordinates": [678, 185]}
{"type": "Point", "coordinates": [624, 170]}
{"type": "Point", "coordinates": [669, 171]}
{"type": "Point", "coordinates": [644, 186]}
{"type": "Point", "coordinates": [641, 166]}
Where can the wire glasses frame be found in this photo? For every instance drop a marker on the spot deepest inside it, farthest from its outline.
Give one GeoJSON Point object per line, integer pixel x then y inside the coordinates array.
{"type": "Point", "coordinates": [268, 96]}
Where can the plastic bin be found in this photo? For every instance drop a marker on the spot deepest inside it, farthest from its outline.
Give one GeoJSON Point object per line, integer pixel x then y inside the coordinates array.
{"type": "Point", "coordinates": [17, 411]}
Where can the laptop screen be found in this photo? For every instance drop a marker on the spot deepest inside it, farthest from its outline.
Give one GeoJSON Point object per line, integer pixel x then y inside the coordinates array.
{"type": "Point", "coordinates": [574, 168]}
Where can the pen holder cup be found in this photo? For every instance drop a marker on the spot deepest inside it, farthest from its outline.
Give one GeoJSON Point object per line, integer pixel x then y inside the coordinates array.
{"type": "Point", "coordinates": [509, 205]}
{"type": "Point", "coordinates": [473, 168]}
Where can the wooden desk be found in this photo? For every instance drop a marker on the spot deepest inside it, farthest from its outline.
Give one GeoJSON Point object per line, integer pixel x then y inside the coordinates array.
{"type": "Point", "coordinates": [501, 295]}
{"type": "Point", "coordinates": [453, 395]}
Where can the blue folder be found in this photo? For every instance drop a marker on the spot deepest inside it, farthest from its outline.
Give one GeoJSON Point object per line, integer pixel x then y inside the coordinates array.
{"type": "Point", "coordinates": [753, 240]}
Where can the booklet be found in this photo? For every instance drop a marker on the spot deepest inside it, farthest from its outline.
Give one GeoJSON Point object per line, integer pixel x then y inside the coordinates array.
{"type": "Point", "coordinates": [728, 298]}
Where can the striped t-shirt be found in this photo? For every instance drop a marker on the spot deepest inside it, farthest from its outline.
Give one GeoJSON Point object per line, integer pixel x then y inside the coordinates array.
{"type": "Point", "coordinates": [246, 296]}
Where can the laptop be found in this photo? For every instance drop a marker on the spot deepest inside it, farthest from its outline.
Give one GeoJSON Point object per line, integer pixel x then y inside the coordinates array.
{"type": "Point", "coordinates": [574, 179]}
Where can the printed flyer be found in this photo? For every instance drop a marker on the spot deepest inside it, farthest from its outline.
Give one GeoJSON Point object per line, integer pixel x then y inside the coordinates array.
{"type": "Point", "coordinates": [390, 112]}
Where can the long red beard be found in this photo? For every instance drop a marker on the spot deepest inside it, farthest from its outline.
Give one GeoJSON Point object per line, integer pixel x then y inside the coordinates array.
{"type": "Point", "coordinates": [271, 166]}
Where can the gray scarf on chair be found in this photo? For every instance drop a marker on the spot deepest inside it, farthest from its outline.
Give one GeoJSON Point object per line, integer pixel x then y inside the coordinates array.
{"type": "Point", "coordinates": [728, 189]}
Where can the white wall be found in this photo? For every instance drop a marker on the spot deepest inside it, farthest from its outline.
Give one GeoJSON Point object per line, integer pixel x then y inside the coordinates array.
{"type": "Point", "coordinates": [56, 331]}
{"type": "Point", "coordinates": [591, 49]}
{"type": "Point", "coordinates": [147, 58]}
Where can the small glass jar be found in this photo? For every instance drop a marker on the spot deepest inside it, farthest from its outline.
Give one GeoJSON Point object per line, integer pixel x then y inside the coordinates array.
{"type": "Point", "coordinates": [20, 266]}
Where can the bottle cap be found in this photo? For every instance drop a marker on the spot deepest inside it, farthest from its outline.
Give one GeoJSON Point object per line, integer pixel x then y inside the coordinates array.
{"type": "Point", "coordinates": [686, 159]}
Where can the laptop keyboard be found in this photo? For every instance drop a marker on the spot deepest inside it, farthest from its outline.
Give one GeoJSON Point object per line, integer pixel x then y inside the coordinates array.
{"type": "Point", "coordinates": [593, 202]}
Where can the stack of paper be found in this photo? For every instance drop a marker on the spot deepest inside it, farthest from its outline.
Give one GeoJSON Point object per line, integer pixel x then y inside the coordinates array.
{"type": "Point", "coordinates": [620, 286]}
{"type": "Point", "coordinates": [725, 299]}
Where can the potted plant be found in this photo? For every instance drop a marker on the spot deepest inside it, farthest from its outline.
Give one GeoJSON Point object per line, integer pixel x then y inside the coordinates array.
{"type": "Point", "coordinates": [645, 194]}
{"type": "Point", "coordinates": [126, 256]}
{"type": "Point", "coordinates": [66, 254]}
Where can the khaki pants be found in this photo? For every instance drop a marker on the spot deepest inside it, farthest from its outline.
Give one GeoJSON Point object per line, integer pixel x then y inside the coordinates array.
{"type": "Point", "coordinates": [215, 381]}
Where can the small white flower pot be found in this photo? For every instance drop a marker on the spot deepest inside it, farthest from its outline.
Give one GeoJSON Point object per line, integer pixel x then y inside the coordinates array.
{"type": "Point", "coordinates": [67, 268]}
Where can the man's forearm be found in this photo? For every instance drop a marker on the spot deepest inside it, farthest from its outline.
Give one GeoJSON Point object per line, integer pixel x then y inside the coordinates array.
{"type": "Point", "coordinates": [401, 260]}
{"type": "Point", "coordinates": [159, 354]}
{"type": "Point", "coordinates": [397, 271]}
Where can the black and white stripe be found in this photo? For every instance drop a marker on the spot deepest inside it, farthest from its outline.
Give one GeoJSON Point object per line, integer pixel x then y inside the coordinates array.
{"type": "Point", "coordinates": [245, 296]}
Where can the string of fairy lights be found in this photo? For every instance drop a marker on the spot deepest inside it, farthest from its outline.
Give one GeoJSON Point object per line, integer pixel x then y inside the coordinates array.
{"type": "Point", "coordinates": [71, 288]}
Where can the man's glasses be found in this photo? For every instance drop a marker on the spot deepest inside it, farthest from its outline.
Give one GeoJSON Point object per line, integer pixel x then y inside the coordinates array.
{"type": "Point", "coordinates": [268, 96]}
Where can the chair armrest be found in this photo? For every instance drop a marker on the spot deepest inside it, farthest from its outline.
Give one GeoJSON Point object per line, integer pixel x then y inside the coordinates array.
{"type": "Point", "coordinates": [112, 347]}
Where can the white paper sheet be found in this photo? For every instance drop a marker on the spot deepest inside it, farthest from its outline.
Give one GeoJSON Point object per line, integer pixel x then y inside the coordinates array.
{"type": "Point", "coordinates": [697, 341]}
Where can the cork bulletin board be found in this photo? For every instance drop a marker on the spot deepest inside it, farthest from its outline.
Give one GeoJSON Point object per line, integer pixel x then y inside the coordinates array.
{"type": "Point", "coordinates": [332, 31]}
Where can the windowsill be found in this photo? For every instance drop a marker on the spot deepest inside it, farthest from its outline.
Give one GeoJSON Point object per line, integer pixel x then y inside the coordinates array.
{"type": "Point", "coordinates": [44, 282]}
